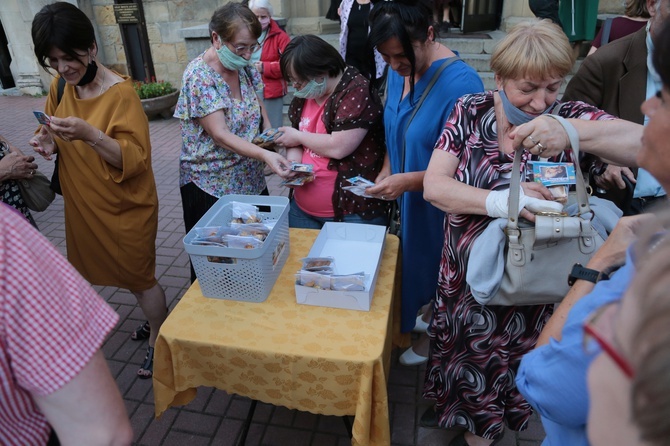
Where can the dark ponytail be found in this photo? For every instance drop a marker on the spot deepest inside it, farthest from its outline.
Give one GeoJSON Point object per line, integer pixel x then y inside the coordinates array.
{"type": "Point", "coordinates": [406, 20]}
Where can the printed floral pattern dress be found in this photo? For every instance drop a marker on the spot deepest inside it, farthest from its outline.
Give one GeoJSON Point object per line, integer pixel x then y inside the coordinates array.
{"type": "Point", "coordinates": [10, 194]}
{"type": "Point", "coordinates": [216, 170]}
{"type": "Point", "coordinates": [476, 349]}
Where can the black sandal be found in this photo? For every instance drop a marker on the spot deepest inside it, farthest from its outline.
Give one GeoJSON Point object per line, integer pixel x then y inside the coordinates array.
{"type": "Point", "coordinates": [147, 365]}
{"type": "Point", "coordinates": [142, 332]}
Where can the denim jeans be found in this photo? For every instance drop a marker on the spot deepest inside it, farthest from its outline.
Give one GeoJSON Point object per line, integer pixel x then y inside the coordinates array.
{"type": "Point", "coordinates": [297, 218]}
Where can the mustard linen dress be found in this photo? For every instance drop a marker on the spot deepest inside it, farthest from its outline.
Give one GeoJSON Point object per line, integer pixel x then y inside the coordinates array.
{"type": "Point", "coordinates": [111, 215]}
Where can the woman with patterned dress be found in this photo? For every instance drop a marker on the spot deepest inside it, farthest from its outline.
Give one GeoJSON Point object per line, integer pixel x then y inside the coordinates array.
{"type": "Point", "coordinates": [220, 113]}
{"type": "Point", "coordinates": [338, 129]}
{"type": "Point", "coordinates": [15, 166]}
{"type": "Point", "coordinates": [475, 349]}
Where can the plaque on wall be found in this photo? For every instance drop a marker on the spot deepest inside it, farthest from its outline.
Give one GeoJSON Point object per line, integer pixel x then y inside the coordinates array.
{"type": "Point", "coordinates": [127, 13]}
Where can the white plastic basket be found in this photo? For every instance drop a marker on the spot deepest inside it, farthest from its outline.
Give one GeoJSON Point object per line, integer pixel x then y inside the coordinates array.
{"type": "Point", "coordinates": [241, 274]}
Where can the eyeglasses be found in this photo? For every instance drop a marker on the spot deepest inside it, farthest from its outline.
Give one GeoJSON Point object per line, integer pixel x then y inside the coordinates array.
{"type": "Point", "coordinates": [243, 49]}
{"type": "Point", "coordinates": [299, 84]}
{"type": "Point", "coordinates": [598, 329]}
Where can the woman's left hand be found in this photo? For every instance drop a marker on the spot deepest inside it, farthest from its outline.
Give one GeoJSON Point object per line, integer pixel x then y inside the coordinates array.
{"type": "Point", "coordinates": [72, 129]}
{"type": "Point", "coordinates": [279, 165]}
{"type": "Point", "coordinates": [16, 166]}
{"type": "Point", "coordinates": [542, 136]}
{"type": "Point", "coordinates": [537, 190]}
{"type": "Point", "coordinates": [290, 138]}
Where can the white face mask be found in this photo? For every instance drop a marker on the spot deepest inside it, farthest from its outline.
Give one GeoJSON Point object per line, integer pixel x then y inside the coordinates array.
{"type": "Point", "coordinates": [229, 59]}
{"type": "Point", "coordinates": [265, 23]}
{"type": "Point", "coordinates": [312, 90]}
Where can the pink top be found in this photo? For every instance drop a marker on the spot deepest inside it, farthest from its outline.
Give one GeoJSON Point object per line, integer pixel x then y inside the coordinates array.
{"type": "Point", "coordinates": [51, 324]}
{"type": "Point", "coordinates": [315, 198]}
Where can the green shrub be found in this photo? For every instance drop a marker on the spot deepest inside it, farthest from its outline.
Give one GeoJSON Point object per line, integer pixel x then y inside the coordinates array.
{"type": "Point", "coordinates": [147, 90]}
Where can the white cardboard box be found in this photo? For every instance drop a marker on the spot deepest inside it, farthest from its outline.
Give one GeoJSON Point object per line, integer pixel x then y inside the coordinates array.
{"type": "Point", "coordinates": [355, 248]}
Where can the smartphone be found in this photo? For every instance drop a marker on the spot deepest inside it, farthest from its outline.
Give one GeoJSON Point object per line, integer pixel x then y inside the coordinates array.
{"type": "Point", "coordinates": [42, 117]}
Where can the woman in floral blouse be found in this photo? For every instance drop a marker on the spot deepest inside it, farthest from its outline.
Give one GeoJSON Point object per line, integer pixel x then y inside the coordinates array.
{"type": "Point", "coordinates": [338, 128]}
{"type": "Point", "coordinates": [220, 114]}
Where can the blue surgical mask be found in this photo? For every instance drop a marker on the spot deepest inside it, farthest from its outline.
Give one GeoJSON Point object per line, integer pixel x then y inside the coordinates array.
{"type": "Point", "coordinates": [312, 90]}
{"type": "Point", "coordinates": [229, 59]}
{"type": "Point", "coordinates": [515, 115]}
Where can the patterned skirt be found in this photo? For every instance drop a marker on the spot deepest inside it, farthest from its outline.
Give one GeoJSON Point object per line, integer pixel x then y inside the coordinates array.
{"type": "Point", "coordinates": [475, 353]}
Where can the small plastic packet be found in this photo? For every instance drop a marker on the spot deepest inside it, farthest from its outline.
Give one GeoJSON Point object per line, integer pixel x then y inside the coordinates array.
{"type": "Point", "coordinates": [321, 264]}
{"type": "Point", "coordinates": [360, 181]}
{"type": "Point", "coordinates": [208, 235]}
{"type": "Point", "coordinates": [304, 168]}
{"type": "Point", "coordinates": [209, 241]}
{"type": "Point", "coordinates": [256, 230]}
{"type": "Point", "coordinates": [358, 186]}
{"type": "Point", "coordinates": [245, 213]}
{"type": "Point", "coordinates": [243, 242]}
{"type": "Point", "coordinates": [207, 231]}
{"type": "Point", "coordinates": [267, 139]}
{"type": "Point", "coordinates": [348, 282]}
{"type": "Point", "coordinates": [297, 181]}
{"type": "Point", "coordinates": [560, 193]}
{"type": "Point", "coordinates": [313, 279]}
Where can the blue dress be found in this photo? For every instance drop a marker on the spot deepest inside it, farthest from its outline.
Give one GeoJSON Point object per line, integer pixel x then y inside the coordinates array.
{"type": "Point", "coordinates": [422, 235]}
{"type": "Point", "coordinates": [552, 377]}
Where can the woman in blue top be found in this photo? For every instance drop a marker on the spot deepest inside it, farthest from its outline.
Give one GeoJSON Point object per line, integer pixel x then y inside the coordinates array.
{"type": "Point", "coordinates": [402, 32]}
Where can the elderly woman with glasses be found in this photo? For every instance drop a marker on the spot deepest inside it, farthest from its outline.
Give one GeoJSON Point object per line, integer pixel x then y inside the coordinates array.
{"type": "Point", "coordinates": [338, 128]}
{"type": "Point", "coordinates": [221, 113]}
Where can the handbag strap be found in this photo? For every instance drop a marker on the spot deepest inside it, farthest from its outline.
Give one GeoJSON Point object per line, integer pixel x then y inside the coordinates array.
{"type": "Point", "coordinates": [429, 87]}
{"type": "Point", "coordinates": [582, 197]}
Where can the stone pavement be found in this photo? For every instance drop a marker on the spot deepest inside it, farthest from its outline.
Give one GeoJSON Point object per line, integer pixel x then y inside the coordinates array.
{"type": "Point", "coordinates": [214, 417]}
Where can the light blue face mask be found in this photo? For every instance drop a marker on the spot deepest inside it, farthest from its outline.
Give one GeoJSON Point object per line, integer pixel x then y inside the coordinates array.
{"type": "Point", "coordinates": [515, 115]}
{"type": "Point", "coordinates": [229, 59]}
{"type": "Point", "coordinates": [312, 90]}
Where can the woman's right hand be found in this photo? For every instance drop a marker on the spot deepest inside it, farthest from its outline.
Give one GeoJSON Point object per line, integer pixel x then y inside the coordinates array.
{"type": "Point", "coordinates": [43, 143]}
{"type": "Point", "coordinates": [388, 188]}
{"type": "Point", "coordinates": [279, 165]}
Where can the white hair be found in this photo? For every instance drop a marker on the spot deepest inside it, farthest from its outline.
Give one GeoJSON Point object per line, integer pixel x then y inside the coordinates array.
{"type": "Point", "coordinates": [261, 4]}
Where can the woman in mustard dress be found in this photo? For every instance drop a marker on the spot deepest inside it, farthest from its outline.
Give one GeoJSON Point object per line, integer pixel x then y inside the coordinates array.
{"type": "Point", "coordinates": [101, 136]}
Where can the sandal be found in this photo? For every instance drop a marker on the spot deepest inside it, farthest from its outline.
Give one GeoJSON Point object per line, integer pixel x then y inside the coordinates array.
{"type": "Point", "coordinates": [142, 332]}
{"type": "Point", "coordinates": [147, 365]}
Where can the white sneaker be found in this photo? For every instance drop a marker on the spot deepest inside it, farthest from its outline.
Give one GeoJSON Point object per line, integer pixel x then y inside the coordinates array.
{"type": "Point", "coordinates": [420, 326]}
{"type": "Point", "coordinates": [410, 358]}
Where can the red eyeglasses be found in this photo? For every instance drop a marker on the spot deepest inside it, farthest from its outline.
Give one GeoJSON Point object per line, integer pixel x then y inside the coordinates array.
{"type": "Point", "coordinates": [598, 328]}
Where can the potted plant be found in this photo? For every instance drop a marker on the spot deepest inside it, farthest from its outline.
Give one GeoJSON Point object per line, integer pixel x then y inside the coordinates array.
{"type": "Point", "coordinates": [157, 97]}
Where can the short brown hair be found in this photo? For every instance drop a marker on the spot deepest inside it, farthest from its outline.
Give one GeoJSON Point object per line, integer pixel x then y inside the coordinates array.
{"type": "Point", "coordinates": [228, 19]}
{"type": "Point", "coordinates": [538, 49]}
{"type": "Point", "coordinates": [636, 8]}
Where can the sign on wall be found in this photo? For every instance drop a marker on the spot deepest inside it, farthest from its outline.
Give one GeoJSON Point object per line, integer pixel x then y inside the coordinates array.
{"type": "Point", "coordinates": [127, 13]}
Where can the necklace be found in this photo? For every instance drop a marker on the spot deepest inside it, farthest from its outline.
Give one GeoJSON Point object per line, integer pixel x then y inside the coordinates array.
{"type": "Point", "coordinates": [102, 85]}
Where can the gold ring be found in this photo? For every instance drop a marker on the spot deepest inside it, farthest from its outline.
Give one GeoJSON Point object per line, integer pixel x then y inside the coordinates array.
{"type": "Point", "coordinates": [32, 172]}
{"type": "Point", "coordinates": [542, 148]}
{"type": "Point", "coordinates": [383, 197]}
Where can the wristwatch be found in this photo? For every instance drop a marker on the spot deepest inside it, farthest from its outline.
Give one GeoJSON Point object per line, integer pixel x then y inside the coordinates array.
{"type": "Point", "coordinates": [579, 272]}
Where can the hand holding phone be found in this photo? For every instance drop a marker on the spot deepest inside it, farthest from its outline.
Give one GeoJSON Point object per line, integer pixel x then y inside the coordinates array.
{"type": "Point", "coordinates": [42, 117]}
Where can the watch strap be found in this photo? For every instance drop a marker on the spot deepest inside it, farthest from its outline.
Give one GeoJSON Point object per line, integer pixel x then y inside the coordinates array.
{"type": "Point", "coordinates": [580, 272]}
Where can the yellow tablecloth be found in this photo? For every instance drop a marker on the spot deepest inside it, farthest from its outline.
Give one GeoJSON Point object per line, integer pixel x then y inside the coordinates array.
{"type": "Point", "coordinates": [322, 360]}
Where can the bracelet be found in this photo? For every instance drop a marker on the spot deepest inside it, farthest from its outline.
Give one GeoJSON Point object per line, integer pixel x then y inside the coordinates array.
{"type": "Point", "coordinates": [99, 139]}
